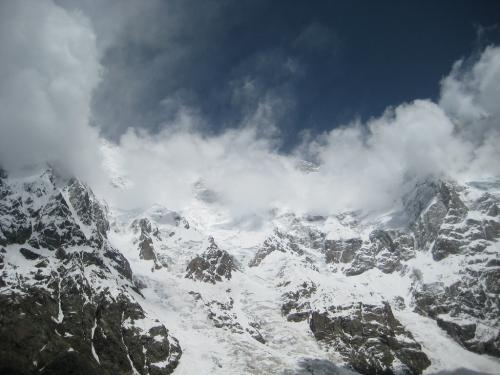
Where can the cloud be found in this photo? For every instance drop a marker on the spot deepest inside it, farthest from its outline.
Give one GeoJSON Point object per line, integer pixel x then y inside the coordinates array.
{"type": "Point", "coordinates": [362, 166]}
{"type": "Point", "coordinates": [241, 165]}
{"type": "Point", "coordinates": [156, 53]}
{"type": "Point", "coordinates": [48, 72]}
{"type": "Point", "coordinates": [51, 67]}
{"type": "Point", "coordinates": [470, 96]}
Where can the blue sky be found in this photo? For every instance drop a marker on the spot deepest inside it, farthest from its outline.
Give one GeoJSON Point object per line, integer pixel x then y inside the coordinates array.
{"type": "Point", "coordinates": [323, 63]}
{"type": "Point", "coordinates": [158, 97]}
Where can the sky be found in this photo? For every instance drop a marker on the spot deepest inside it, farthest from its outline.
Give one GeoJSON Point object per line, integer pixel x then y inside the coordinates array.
{"type": "Point", "coordinates": [162, 97]}
{"type": "Point", "coordinates": [326, 62]}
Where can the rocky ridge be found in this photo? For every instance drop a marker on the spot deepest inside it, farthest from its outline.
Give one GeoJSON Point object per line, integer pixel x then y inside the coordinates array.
{"type": "Point", "coordinates": [340, 294]}
{"type": "Point", "coordinates": [66, 294]}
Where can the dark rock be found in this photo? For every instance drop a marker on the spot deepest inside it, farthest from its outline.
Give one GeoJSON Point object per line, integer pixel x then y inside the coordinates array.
{"type": "Point", "coordinates": [28, 254]}
{"type": "Point", "coordinates": [295, 304]}
{"type": "Point", "coordinates": [459, 332]}
{"type": "Point", "coordinates": [146, 249]}
{"type": "Point", "coordinates": [120, 263]}
{"type": "Point", "coordinates": [71, 363]}
{"type": "Point", "coordinates": [53, 319]}
{"type": "Point", "coordinates": [342, 251]}
{"type": "Point", "coordinates": [282, 242]}
{"type": "Point", "coordinates": [89, 210]}
{"type": "Point", "coordinates": [445, 246]}
{"type": "Point", "coordinates": [399, 303]}
{"type": "Point", "coordinates": [145, 243]}
{"type": "Point", "coordinates": [223, 316]}
{"type": "Point", "coordinates": [491, 230]}
{"type": "Point", "coordinates": [369, 337]}
{"type": "Point", "coordinates": [298, 317]}
{"type": "Point", "coordinates": [61, 254]}
{"type": "Point", "coordinates": [382, 239]}
{"type": "Point", "coordinates": [493, 263]}
{"type": "Point", "coordinates": [55, 225]}
{"type": "Point", "coordinates": [212, 265]}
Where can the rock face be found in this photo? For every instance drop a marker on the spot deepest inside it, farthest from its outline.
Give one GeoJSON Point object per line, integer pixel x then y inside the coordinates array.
{"type": "Point", "coordinates": [67, 300]}
{"type": "Point", "coordinates": [151, 232]}
{"type": "Point", "coordinates": [371, 339]}
{"type": "Point", "coordinates": [278, 241]}
{"type": "Point", "coordinates": [466, 306]}
{"type": "Point", "coordinates": [455, 225]}
{"type": "Point", "coordinates": [145, 244]}
{"type": "Point", "coordinates": [223, 315]}
{"type": "Point", "coordinates": [212, 265]}
{"type": "Point", "coordinates": [295, 305]}
{"type": "Point", "coordinates": [384, 249]}
{"type": "Point", "coordinates": [326, 293]}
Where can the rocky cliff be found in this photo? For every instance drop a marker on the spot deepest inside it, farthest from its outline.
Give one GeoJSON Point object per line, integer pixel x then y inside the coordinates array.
{"type": "Point", "coordinates": [102, 290]}
{"type": "Point", "coordinates": [67, 297]}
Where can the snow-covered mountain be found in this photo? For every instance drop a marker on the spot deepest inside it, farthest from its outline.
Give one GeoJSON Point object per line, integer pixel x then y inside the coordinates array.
{"type": "Point", "coordinates": [67, 296]}
{"type": "Point", "coordinates": [109, 291]}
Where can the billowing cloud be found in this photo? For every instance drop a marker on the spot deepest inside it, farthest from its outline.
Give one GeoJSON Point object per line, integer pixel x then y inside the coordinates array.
{"type": "Point", "coordinates": [470, 96]}
{"type": "Point", "coordinates": [49, 69]}
{"type": "Point", "coordinates": [470, 93]}
{"type": "Point", "coordinates": [361, 166]}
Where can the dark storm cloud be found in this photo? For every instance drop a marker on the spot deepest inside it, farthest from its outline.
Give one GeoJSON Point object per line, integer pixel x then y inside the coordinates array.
{"type": "Point", "coordinates": [324, 63]}
{"type": "Point", "coordinates": [219, 58]}
{"type": "Point", "coordinates": [169, 55]}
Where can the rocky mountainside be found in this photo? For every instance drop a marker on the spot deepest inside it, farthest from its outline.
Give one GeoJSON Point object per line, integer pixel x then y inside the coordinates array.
{"type": "Point", "coordinates": [412, 291]}
{"type": "Point", "coordinates": [67, 297]}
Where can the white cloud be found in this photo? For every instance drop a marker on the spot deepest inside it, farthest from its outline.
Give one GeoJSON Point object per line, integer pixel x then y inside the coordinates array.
{"type": "Point", "coordinates": [470, 95]}
{"type": "Point", "coordinates": [48, 70]}
{"type": "Point", "coordinates": [362, 166]}
{"type": "Point", "coordinates": [50, 67]}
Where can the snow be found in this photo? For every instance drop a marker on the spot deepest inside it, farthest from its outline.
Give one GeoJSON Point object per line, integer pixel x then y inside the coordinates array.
{"type": "Point", "coordinates": [339, 231]}
{"type": "Point", "coordinates": [207, 349]}
{"type": "Point", "coordinates": [256, 295]}
{"type": "Point", "coordinates": [442, 350]}
{"type": "Point", "coordinates": [252, 298]}
{"type": "Point", "coordinates": [94, 354]}
{"type": "Point", "coordinates": [60, 314]}
{"type": "Point", "coordinates": [134, 370]}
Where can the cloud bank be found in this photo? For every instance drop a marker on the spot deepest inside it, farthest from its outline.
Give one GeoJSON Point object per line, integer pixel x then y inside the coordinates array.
{"type": "Point", "coordinates": [366, 166]}
{"type": "Point", "coordinates": [49, 69]}
{"type": "Point", "coordinates": [52, 65]}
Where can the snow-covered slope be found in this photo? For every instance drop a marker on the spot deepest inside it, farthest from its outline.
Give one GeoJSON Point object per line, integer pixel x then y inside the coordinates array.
{"type": "Point", "coordinates": [412, 291]}
{"type": "Point", "coordinates": [67, 298]}
{"type": "Point", "coordinates": [298, 293]}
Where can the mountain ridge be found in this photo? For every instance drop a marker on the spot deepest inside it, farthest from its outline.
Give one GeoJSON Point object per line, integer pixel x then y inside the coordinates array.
{"type": "Point", "coordinates": [341, 291]}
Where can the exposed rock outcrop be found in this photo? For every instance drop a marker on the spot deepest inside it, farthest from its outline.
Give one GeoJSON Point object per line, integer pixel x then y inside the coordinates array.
{"type": "Point", "coordinates": [370, 338]}
{"type": "Point", "coordinates": [67, 299]}
{"type": "Point", "coordinates": [213, 265]}
{"type": "Point", "coordinates": [464, 305]}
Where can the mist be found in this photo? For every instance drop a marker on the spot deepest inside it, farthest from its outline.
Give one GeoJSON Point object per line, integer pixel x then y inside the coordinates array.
{"type": "Point", "coordinates": [52, 65]}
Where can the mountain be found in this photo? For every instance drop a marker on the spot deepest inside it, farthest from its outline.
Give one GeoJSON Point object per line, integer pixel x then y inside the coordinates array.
{"type": "Point", "coordinates": [67, 296]}
{"type": "Point", "coordinates": [102, 290]}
